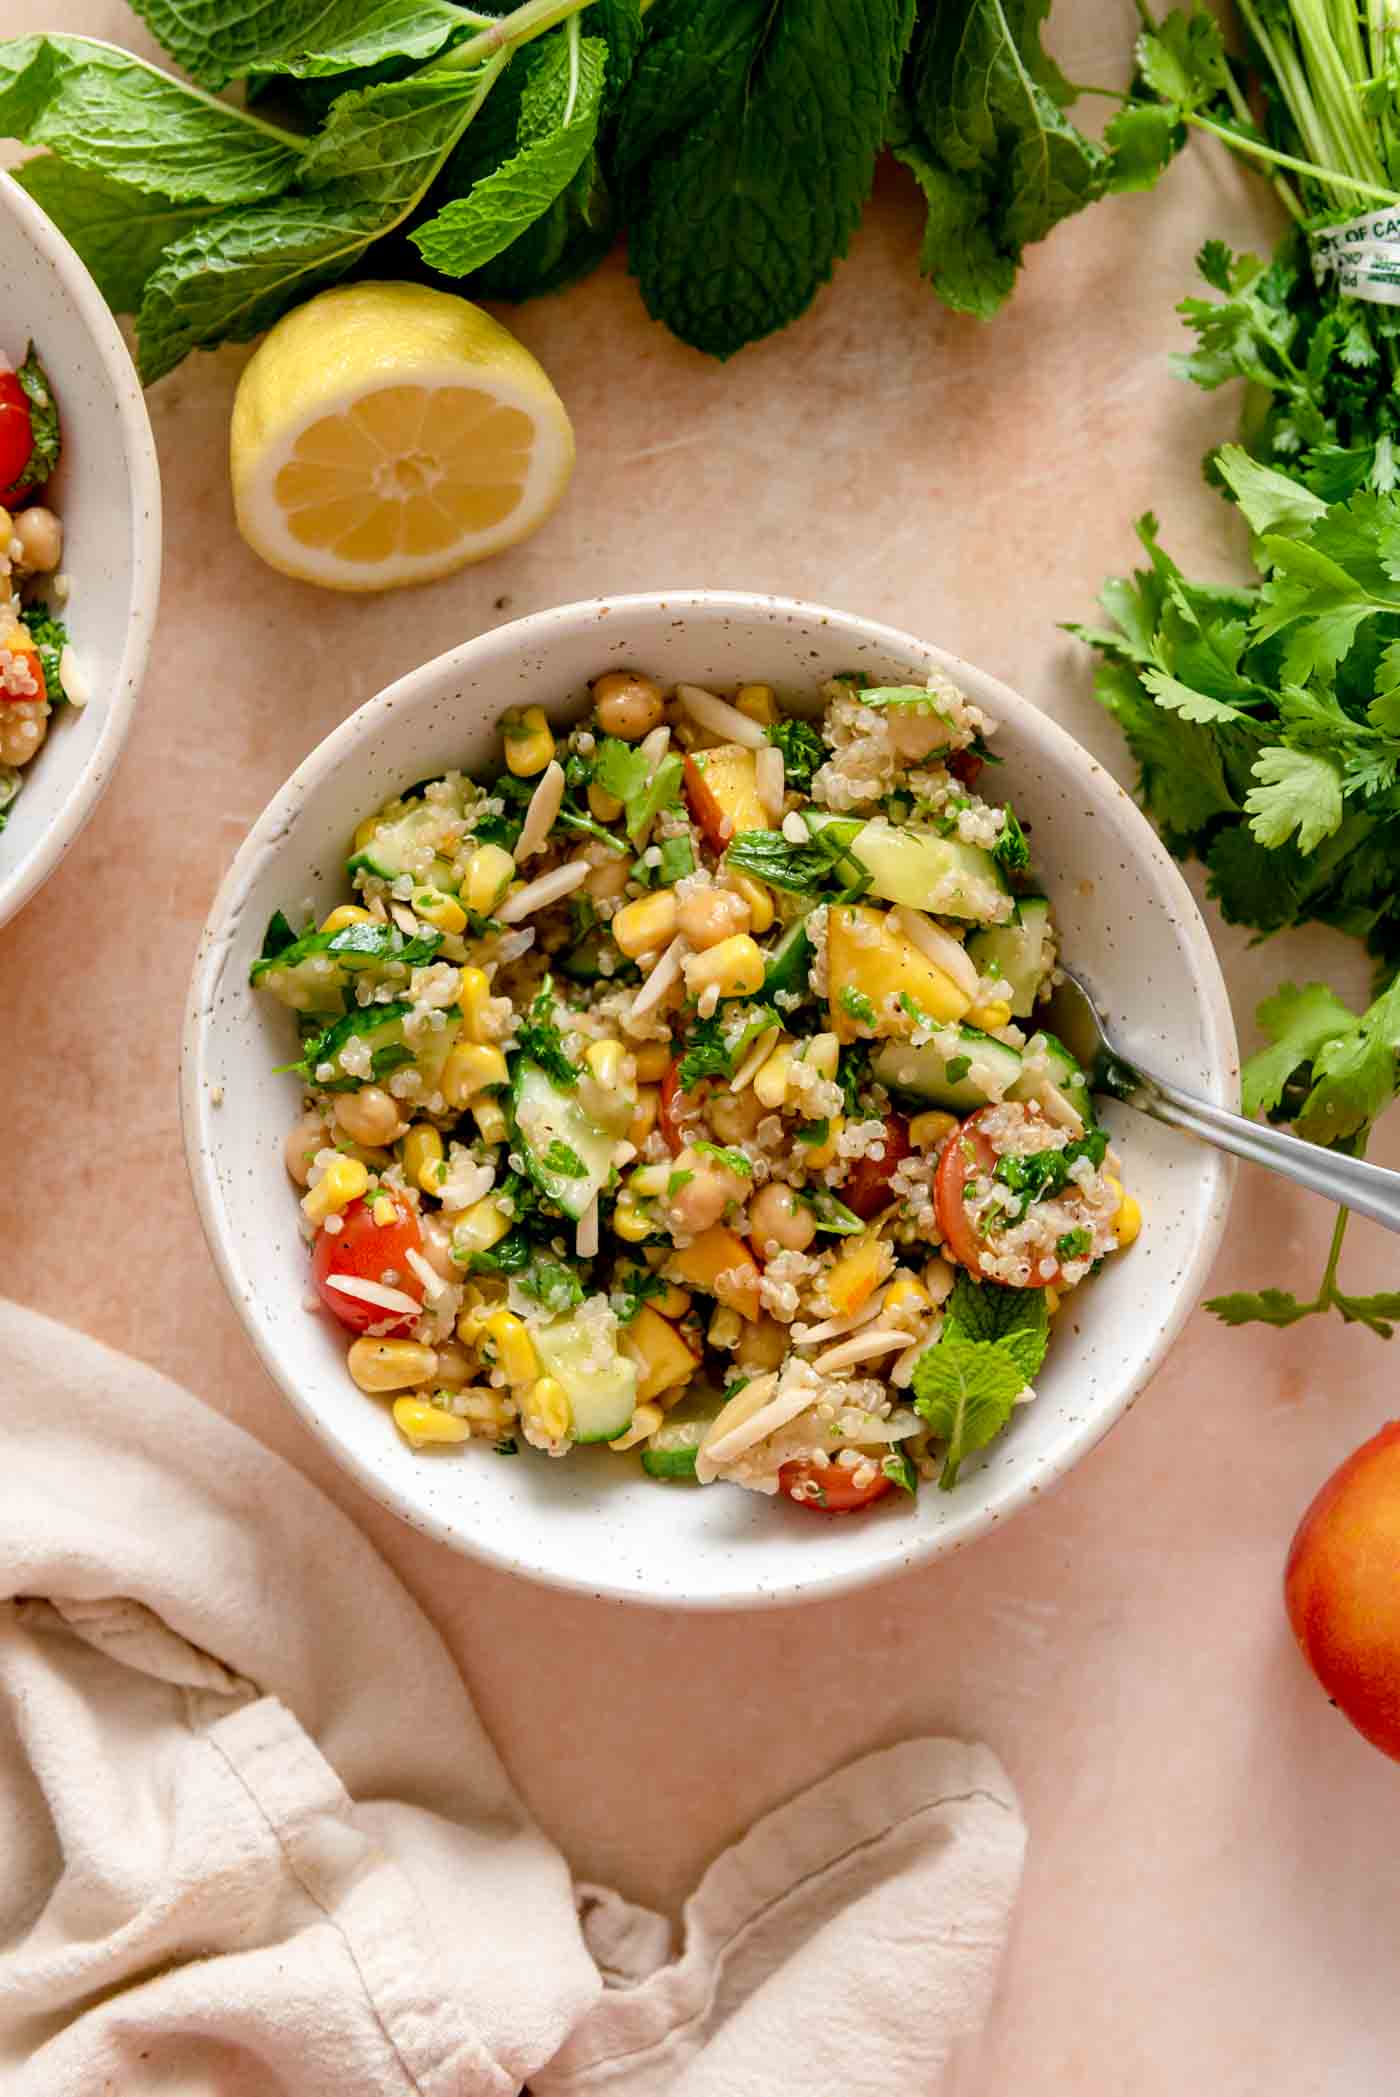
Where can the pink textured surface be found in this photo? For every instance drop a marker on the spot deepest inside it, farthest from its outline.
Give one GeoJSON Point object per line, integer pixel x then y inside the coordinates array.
{"type": "Point", "coordinates": [1212, 1897]}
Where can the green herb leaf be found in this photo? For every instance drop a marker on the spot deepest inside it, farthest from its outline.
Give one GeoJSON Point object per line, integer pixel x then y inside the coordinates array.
{"type": "Point", "coordinates": [1183, 59]}
{"type": "Point", "coordinates": [559, 115]}
{"type": "Point", "coordinates": [856, 1005]}
{"type": "Point", "coordinates": [50, 637]}
{"type": "Point", "coordinates": [119, 232]}
{"type": "Point", "coordinates": [278, 936]}
{"type": "Point", "coordinates": [732, 1160]}
{"type": "Point", "coordinates": [1300, 1023]}
{"type": "Point", "coordinates": [1011, 852]}
{"type": "Point", "coordinates": [538, 1037]}
{"type": "Point", "coordinates": [800, 869]}
{"type": "Point", "coordinates": [216, 40]}
{"type": "Point", "coordinates": [623, 772]}
{"type": "Point", "coordinates": [713, 163]}
{"type": "Point", "coordinates": [1016, 1319]}
{"type": "Point", "coordinates": [115, 116]}
{"type": "Point", "coordinates": [1268, 1307]}
{"type": "Point", "coordinates": [830, 1214]}
{"type": "Point", "coordinates": [965, 1390]}
{"type": "Point", "coordinates": [1298, 794]}
{"type": "Point", "coordinates": [898, 1467]}
{"type": "Point", "coordinates": [560, 1160]}
{"type": "Point", "coordinates": [716, 1047]}
{"type": "Point", "coordinates": [804, 752]}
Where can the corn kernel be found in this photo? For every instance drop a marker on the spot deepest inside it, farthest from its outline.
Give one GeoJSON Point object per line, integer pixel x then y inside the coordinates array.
{"type": "Point", "coordinates": [770, 1085]}
{"type": "Point", "coordinates": [819, 1155]}
{"type": "Point", "coordinates": [997, 1013]}
{"type": "Point", "coordinates": [489, 873]}
{"type": "Point", "coordinates": [344, 1181]}
{"type": "Point", "coordinates": [643, 1116]}
{"type": "Point", "coordinates": [545, 1407]}
{"type": "Point", "coordinates": [630, 1222]}
{"type": "Point", "coordinates": [603, 806]}
{"type": "Point", "coordinates": [391, 1365]}
{"type": "Point", "coordinates": [480, 1227]}
{"type": "Point", "coordinates": [529, 743]}
{"type": "Point", "coordinates": [364, 832]}
{"type": "Point", "coordinates": [419, 1422]}
{"type": "Point", "coordinates": [384, 1211]}
{"type": "Point", "coordinates": [515, 1350]}
{"type": "Point", "coordinates": [346, 914]}
{"type": "Point", "coordinates": [1052, 1302]}
{"type": "Point", "coordinates": [421, 1153]}
{"type": "Point", "coordinates": [758, 703]}
{"type": "Point", "coordinates": [443, 913]}
{"type": "Point", "coordinates": [926, 1131]}
{"type": "Point", "coordinates": [490, 1118]}
{"type": "Point", "coordinates": [471, 1067]}
{"type": "Point", "coordinates": [647, 923]}
{"type": "Point", "coordinates": [906, 1292]}
{"type": "Point", "coordinates": [606, 1060]}
{"type": "Point", "coordinates": [822, 1053]}
{"type": "Point", "coordinates": [757, 894]}
{"type": "Point", "coordinates": [653, 1060]}
{"type": "Point", "coordinates": [1127, 1221]}
{"type": "Point", "coordinates": [645, 1421]}
{"type": "Point", "coordinates": [734, 968]}
{"type": "Point", "coordinates": [473, 991]}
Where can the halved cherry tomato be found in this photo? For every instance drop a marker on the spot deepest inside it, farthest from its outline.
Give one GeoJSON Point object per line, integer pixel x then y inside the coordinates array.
{"type": "Point", "coordinates": [868, 1188]}
{"type": "Point", "coordinates": [368, 1251]}
{"type": "Point", "coordinates": [966, 765]}
{"type": "Point", "coordinates": [16, 439]}
{"type": "Point", "coordinates": [36, 671]}
{"type": "Point", "coordinates": [840, 1493]}
{"type": "Point", "coordinates": [670, 1106]}
{"type": "Point", "coordinates": [969, 1155]}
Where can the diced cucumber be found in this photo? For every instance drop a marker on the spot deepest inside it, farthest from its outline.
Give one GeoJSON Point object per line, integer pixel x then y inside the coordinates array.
{"type": "Point", "coordinates": [789, 963]}
{"type": "Point", "coordinates": [397, 844]}
{"type": "Point", "coordinates": [1017, 953]}
{"type": "Point", "coordinates": [555, 1136]}
{"type": "Point", "coordinates": [670, 1452]}
{"type": "Point", "coordinates": [915, 866]}
{"type": "Point", "coordinates": [311, 975]}
{"type": "Point", "coordinates": [599, 1381]}
{"type": "Point", "coordinates": [991, 1070]}
{"type": "Point", "coordinates": [1046, 1057]}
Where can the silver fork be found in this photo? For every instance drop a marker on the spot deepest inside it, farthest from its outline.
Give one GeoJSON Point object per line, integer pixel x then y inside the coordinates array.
{"type": "Point", "coordinates": [1351, 1182]}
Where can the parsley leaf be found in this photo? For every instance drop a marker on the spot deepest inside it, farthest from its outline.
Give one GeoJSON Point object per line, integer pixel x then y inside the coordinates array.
{"type": "Point", "coordinates": [560, 1159]}
{"type": "Point", "coordinates": [732, 1160]}
{"type": "Point", "coordinates": [856, 1005]}
{"type": "Point", "coordinates": [800, 869]}
{"type": "Point", "coordinates": [632, 1288]}
{"type": "Point", "coordinates": [898, 1467]}
{"type": "Point", "coordinates": [829, 1213]}
{"type": "Point", "coordinates": [965, 1390]}
{"type": "Point", "coordinates": [43, 427]}
{"type": "Point", "coordinates": [1011, 852]}
{"type": "Point", "coordinates": [715, 1047]}
{"type": "Point", "coordinates": [803, 750]}
{"type": "Point", "coordinates": [621, 770]}
{"type": "Point", "coordinates": [538, 1036]}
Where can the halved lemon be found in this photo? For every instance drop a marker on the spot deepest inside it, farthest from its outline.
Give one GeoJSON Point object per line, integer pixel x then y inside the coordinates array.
{"type": "Point", "coordinates": [384, 434]}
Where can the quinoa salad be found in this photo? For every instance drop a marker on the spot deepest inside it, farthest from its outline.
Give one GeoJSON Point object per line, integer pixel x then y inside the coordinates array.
{"type": "Point", "coordinates": [680, 1088]}
{"type": "Point", "coordinates": [37, 672]}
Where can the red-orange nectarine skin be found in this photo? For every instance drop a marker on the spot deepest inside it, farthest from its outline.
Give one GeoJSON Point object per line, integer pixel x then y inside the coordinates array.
{"type": "Point", "coordinates": [1341, 1586]}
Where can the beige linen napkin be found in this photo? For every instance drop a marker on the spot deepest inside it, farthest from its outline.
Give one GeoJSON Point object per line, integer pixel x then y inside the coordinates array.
{"type": "Point", "coordinates": [254, 1842]}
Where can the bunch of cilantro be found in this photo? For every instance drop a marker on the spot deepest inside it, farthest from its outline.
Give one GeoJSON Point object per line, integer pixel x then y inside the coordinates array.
{"type": "Point", "coordinates": [735, 140]}
{"type": "Point", "coordinates": [1265, 720]}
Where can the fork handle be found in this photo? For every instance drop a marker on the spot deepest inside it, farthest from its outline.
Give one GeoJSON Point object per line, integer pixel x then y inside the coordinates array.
{"type": "Point", "coordinates": [1373, 1190]}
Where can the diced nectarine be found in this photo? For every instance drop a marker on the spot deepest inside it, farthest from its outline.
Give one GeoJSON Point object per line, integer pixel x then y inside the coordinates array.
{"type": "Point", "coordinates": [722, 790]}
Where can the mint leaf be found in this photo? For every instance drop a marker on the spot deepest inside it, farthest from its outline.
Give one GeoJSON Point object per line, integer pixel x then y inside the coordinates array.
{"type": "Point", "coordinates": [115, 116]}
{"type": "Point", "coordinates": [365, 171]}
{"type": "Point", "coordinates": [746, 147]}
{"type": "Point", "coordinates": [959, 253]}
{"type": "Point", "coordinates": [119, 232]}
{"type": "Point", "coordinates": [965, 1390]}
{"type": "Point", "coordinates": [1298, 793]}
{"type": "Point", "coordinates": [1299, 1022]}
{"type": "Point", "coordinates": [45, 433]}
{"type": "Point", "coordinates": [559, 115]}
{"type": "Point", "coordinates": [899, 1469]}
{"type": "Point", "coordinates": [801, 869]}
{"type": "Point", "coordinates": [1016, 1319]}
{"type": "Point", "coordinates": [216, 40]}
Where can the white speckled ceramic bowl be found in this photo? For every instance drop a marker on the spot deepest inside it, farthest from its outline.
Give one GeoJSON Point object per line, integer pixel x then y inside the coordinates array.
{"type": "Point", "coordinates": [107, 491]}
{"type": "Point", "coordinates": [594, 1522]}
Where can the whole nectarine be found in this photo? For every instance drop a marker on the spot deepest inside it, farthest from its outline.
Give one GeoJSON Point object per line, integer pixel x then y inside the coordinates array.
{"type": "Point", "coordinates": [1342, 1588]}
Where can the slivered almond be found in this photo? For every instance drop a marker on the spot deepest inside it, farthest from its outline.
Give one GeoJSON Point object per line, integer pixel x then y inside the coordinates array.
{"type": "Point", "coordinates": [720, 717]}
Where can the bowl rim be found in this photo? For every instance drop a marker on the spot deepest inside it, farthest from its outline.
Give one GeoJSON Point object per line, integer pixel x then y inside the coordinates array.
{"type": "Point", "coordinates": [533, 632]}
{"type": "Point", "coordinates": [20, 882]}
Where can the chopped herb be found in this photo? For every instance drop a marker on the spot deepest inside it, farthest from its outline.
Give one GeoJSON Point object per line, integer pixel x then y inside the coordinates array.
{"type": "Point", "coordinates": [539, 1038]}
{"type": "Point", "coordinates": [553, 1285]}
{"type": "Point", "coordinates": [915, 1011]}
{"type": "Point", "coordinates": [1045, 1173]}
{"type": "Point", "coordinates": [814, 1133]}
{"type": "Point", "coordinates": [732, 1160]}
{"type": "Point", "coordinates": [803, 750]}
{"type": "Point", "coordinates": [1011, 852]}
{"type": "Point", "coordinates": [575, 819]}
{"type": "Point", "coordinates": [852, 1071]}
{"type": "Point", "coordinates": [1073, 1245]}
{"type": "Point", "coordinates": [50, 637]}
{"type": "Point", "coordinates": [634, 1286]}
{"type": "Point", "coordinates": [507, 1446]}
{"type": "Point", "coordinates": [957, 1068]}
{"type": "Point", "coordinates": [715, 1047]}
{"type": "Point", "coordinates": [622, 771]}
{"type": "Point", "coordinates": [509, 1255]}
{"type": "Point", "coordinates": [898, 695]}
{"type": "Point", "coordinates": [676, 861]}
{"type": "Point", "coordinates": [857, 1005]}
{"type": "Point", "coordinates": [563, 1161]}
{"type": "Point", "coordinates": [278, 936]}
{"type": "Point", "coordinates": [676, 1182]}
{"type": "Point", "coordinates": [899, 1469]}
{"type": "Point", "coordinates": [830, 1214]}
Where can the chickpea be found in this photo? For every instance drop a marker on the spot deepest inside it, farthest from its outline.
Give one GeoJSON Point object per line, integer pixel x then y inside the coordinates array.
{"type": "Point", "coordinates": [762, 1345]}
{"type": "Point", "coordinates": [23, 725]}
{"type": "Point", "coordinates": [40, 537]}
{"type": "Point", "coordinates": [436, 1233]}
{"type": "Point", "coordinates": [708, 915]}
{"type": "Point", "coordinates": [304, 1138]}
{"type": "Point", "coordinates": [734, 1116]}
{"type": "Point", "coordinates": [915, 734]}
{"type": "Point", "coordinates": [778, 1222]}
{"type": "Point", "coordinates": [628, 706]}
{"type": "Point", "coordinates": [369, 1116]}
{"type": "Point", "coordinates": [454, 1364]}
{"type": "Point", "coordinates": [609, 876]}
{"type": "Point", "coordinates": [706, 1194]}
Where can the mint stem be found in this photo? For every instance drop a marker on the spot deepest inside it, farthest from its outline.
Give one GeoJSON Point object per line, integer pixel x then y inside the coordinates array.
{"type": "Point", "coordinates": [512, 30]}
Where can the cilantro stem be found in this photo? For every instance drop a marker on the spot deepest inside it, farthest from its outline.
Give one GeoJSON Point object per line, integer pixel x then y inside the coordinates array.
{"type": "Point", "coordinates": [1301, 167]}
{"type": "Point", "coordinates": [508, 32]}
{"type": "Point", "coordinates": [1329, 1279]}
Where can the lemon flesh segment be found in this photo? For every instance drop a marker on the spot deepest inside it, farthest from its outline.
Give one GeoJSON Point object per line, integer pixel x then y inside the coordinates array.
{"type": "Point", "coordinates": [385, 434]}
